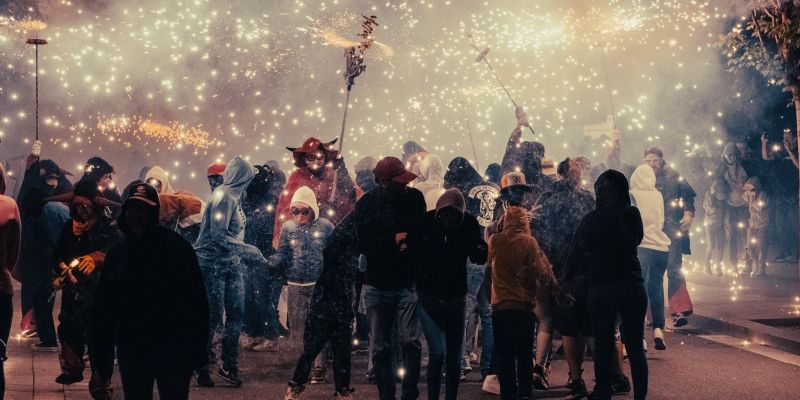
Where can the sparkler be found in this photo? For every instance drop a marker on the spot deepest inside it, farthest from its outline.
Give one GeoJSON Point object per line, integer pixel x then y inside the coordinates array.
{"type": "Point", "coordinates": [482, 57]}
{"type": "Point", "coordinates": [469, 131]}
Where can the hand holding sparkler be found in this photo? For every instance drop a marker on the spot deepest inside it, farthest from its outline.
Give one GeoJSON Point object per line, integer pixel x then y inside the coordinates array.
{"type": "Point", "coordinates": [66, 273]}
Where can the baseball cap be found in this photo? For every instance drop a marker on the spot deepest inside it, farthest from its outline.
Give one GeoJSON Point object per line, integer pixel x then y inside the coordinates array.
{"type": "Point", "coordinates": [143, 192]}
{"type": "Point", "coordinates": [391, 168]}
{"type": "Point", "coordinates": [217, 168]}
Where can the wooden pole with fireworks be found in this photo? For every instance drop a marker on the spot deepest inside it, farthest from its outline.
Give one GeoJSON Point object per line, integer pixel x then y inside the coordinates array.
{"type": "Point", "coordinates": [354, 66]}
{"type": "Point", "coordinates": [36, 42]}
{"type": "Point", "coordinates": [482, 57]}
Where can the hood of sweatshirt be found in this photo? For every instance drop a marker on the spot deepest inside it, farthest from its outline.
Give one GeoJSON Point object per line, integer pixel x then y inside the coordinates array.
{"type": "Point", "coordinates": [731, 155]}
{"type": "Point", "coordinates": [644, 178]}
{"type": "Point", "coordinates": [462, 175]}
{"type": "Point", "coordinates": [304, 195]}
{"type": "Point", "coordinates": [451, 198]}
{"type": "Point", "coordinates": [238, 174]}
{"type": "Point", "coordinates": [515, 220]}
{"type": "Point", "coordinates": [612, 190]}
{"type": "Point", "coordinates": [162, 176]}
{"type": "Point", "coordinates": [431, 169]}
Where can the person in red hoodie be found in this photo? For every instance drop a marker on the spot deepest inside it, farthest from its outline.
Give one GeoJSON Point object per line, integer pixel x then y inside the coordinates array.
{"type": "Point", "coordinates": [317, 167]}
{"type": "Point", "coordinates": [9, 251]}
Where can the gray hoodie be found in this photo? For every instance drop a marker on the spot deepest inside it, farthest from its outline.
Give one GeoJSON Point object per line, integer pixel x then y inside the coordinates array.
{"type": "Point", "coordinates": [221, 238]}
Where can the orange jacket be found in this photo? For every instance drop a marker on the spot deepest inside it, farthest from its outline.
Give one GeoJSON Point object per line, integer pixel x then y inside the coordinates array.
{"type": "Point", "coordinates": [517, 264]}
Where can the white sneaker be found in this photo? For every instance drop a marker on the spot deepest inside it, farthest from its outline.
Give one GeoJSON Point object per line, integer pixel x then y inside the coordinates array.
{"type": "Point", "coordinates": [644, 345]}
{"type": "Point", "coordinates": [658, 338]}
{"type": "Point", "coordinates": [491, 385]}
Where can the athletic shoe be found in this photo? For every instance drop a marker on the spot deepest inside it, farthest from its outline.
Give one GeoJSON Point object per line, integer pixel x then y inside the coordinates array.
{"type": "Point", "coordinates": [658, 338]}
{"type": "Point", "coordinates": [679, 320]}
{"type": "Point", "coordinates": [44, 347]}
{"type": "Point", "coordinates": [577, 388]}
{"type": "Point", "coordinates": [318, 375]}
{"type": "Point", "coordinates": [467, 368]}
{"type": "Point", "coordinates": [231, 376]}
{"type": "Point", "coordinates": [264, 346]}
{"type": "Point", "coordinates": [620, 385]}
{"type": "Point", "coordinates": [68, 379]}
{"type": "Point", "coordinates": [293, 391]}
{"type": "Point", "coordinates": [203, 379]}
{"type": "Point", "coordinates": [540, 378]}
{"type": "Point", "coordinates": [346, 394]}
{"type": "Point", "coordinates": [462, 376]}
{"type": "Point", "coordinates": [491, 385]}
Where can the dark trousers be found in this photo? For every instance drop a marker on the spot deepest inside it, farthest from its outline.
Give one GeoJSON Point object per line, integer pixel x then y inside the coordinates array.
{"type": "Point", "coordinates": [513, 344]}
{"type": "Point", "coordinates": [679, 300]}
{"type": "Point", "coordinates": [443, 325]}
{"type": "Point", "coordinates": [318, 332]}
{"type": "Point", "coordinates": [6, 312]}
{"type": "Point", "coordinates": [43, 302]}
{"type": "Point", "coordinates": [170, 373]}
{"type": "Point", "coordinates": [629, 302]}
{"type": "Point", "coordinates": [384, 307]}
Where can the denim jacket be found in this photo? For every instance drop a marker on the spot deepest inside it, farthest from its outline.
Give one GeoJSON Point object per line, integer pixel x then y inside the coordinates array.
{"type": "Point", "coordinates": [300, 250]}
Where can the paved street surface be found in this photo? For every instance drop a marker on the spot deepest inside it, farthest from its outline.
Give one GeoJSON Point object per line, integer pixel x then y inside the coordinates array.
{"type": "Point", "coordinates": [697, 365]}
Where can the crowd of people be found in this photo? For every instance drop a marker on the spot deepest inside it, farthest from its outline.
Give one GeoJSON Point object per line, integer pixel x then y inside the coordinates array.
{"type": "Point", "coordinates": [409, 253]}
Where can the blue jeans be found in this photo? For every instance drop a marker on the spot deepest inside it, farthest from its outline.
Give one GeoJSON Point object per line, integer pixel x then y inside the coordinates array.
{"type": "Point", "coordinates": [225, 290]}
{"type": "Point", "coordinates": [481, 303]}
{"type": "Point", "coordinates": [443, 324]}
{"type": "Point", "coordinates": [654, 265]}
{"type": "Point", "coordinates": [384, 308]}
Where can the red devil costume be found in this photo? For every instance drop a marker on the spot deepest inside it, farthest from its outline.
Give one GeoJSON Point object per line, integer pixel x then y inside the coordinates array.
{"type": "Point", "coordinates": [320, 180]}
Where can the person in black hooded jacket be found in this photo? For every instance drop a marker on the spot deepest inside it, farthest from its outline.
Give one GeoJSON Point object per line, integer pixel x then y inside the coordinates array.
{"type": "Point", "coordinates": [150, 278]}
{"type": "Point", "coordinates": [442, 240]}
{"type": "Point", "coordinates": [604, 253]}
{"type": "Point", "coordinates": [330, 315]}
{"type": "Point", "coordinates": [479, 194]}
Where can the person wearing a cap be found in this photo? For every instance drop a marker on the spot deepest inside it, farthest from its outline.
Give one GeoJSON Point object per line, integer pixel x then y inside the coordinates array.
{"type": "Point", "coordinates": [383, 218]}
{"type": "Point", "coordinates": [214, 174]}
{"type": "Point", "coordinates": [561, 211]}
{"type": "Point", "coordinates": [78, 261]}
{"type": "Point", "coordinates": [442, 240]}
{"type": "Point", "coordinates": [223, 256]}
{"type": "Point", "coordinates": [301, 242]}
{"type": "Point", "coordinates": [679, 212]}
{"type": "Point", "coordinates": [319, 167]}
{"type": "Point", "coordinates": [150, 278]}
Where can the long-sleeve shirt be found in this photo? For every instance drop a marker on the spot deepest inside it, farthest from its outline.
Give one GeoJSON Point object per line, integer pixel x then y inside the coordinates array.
{"type": "Point", "coordinates": [678, 198]}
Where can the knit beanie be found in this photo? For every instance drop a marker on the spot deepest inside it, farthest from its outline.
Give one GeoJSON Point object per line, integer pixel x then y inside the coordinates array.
{"type": "Point", "coordinates": [305, 196]}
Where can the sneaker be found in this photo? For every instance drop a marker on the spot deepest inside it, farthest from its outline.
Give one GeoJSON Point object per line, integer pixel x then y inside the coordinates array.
{"type": "Point", "coordinates": [658, 338]}
{"type": "Point", "coordinates": [467, 369]}
{"type": "Point", "coordinates": [620, 385]}
{"type": "Point", "coordinates": [44, 347]}
{"type": "Point", "coordinates": [679, 320]}
{"type": "Point", "coordinates": [203, 379]}
{"type": "Point", "coordinates": [293, 391]}
{"type": "Point", "coordinates": [318, 375]}
{"type": "Point", "coordinates": [264, 346]}
{"type": "Point", "coordinates": [231, 376]}
{"type": "Point", "coordinates": [346, 394]}
{"type": "Point", "coordinates": [577, 388]}
{"type": "Point", "coordinates": [540, 378]}
{"type": "Point", "coordinates": [491, 385]}
{"type": "Point", "coordinates": [68, 379]}
{"type": "Point", "coordinates": [463, 376]}
{"type": "Point", "coordinates": [644, 345]}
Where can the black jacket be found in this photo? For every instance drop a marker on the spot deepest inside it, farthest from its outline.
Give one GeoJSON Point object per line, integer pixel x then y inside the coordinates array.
{"type": "Point", "coordinates": [442, 254]}
{"type": "Point", "coordinates": [378, 218]}
{"type": "Point", "coordinates": [557, 220]}
{"type": "Point", "coordinates": [480, 195]}
{"type": "Point", "coordinates": [333, 294]}
{"type": "Point", "coordinates": [678, 197]}
{"type": "Point", "coordinates": [604, 249]}
{"type": "Point", "coordinates": [148, 283]}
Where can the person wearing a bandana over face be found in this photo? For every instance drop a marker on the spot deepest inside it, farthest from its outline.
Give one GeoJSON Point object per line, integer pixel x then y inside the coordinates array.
{"type": "Point", "coordinates": [151, 278]}
{"type": "Point", "coordinates": [78, 259]}
{"type": "Point", "coordinates": [442, 241]}
{"type": "Point", "coordinates": [102, 173]}
{"type": "Point", "coordinates": [317, 166]}
{"type": "Point", "coordinates": [41, 227]}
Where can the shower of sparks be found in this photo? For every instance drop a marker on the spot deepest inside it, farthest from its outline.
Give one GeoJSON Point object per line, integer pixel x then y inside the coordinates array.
{"type": "Point", "coordinates": [257, 76]}
{"type": "Point", "coordinates": [21, 25]}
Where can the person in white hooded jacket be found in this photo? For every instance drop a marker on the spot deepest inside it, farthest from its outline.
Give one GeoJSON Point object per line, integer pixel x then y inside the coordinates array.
{"type": "Point", "coordinates": [654, 250]}
{"type": "Point", "coordinates": [430, 180]}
